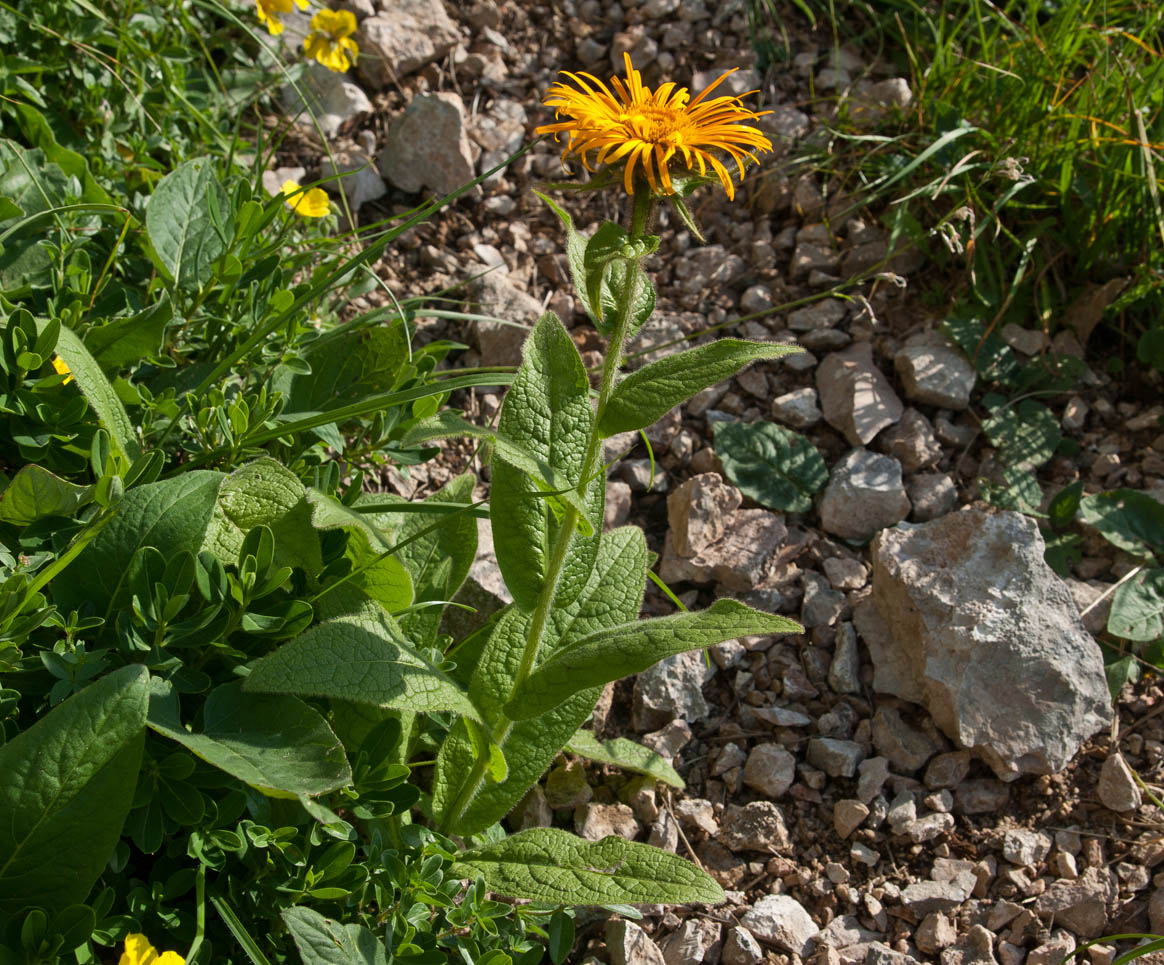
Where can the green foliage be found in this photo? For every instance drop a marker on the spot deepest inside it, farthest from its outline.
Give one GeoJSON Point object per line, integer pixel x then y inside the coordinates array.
{"type": "Point", "coordinates": [774, 466]}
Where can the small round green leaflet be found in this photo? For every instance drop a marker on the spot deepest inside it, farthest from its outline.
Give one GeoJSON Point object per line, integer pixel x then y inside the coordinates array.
{"type": "Point", "coordinates": [772, 465]}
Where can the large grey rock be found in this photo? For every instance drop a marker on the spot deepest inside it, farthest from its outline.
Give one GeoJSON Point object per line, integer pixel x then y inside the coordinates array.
{"type": "Point", "coordinates": [933, 370]}
{"type": "Point", "coordinates": [782, 921]}
{"type": "Point", "coordinates": [968, 620]}
{"type": "Point", "coordinates": [428, 145]}
{"type": "Point", "coordinates": [864, 494]}
{"type": "Point", "coordinates": [856, 399]}
{"type": "Point", "coordinates": [403, 37]}
{"type": "Point", "coordinates": [326, 98]}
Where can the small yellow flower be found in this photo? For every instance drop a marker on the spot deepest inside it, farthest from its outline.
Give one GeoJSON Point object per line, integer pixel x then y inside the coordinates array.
{"type": "Point", "coordinates": [311, 203]}
{"type": "Point", "coordinates": [61, 368]}
{"type": "Point", "coordinates": [330, 41]}
{"type": "Point", "coordinates": [639, 127]}
{"type": "Point", "coordinates": [139, 951]}
{"type": "Point", "coordinates": [271, 11]}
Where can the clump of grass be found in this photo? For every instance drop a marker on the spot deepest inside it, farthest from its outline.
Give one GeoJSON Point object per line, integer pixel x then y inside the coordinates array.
{"type": "Point", "coordinates": [1039, 128]}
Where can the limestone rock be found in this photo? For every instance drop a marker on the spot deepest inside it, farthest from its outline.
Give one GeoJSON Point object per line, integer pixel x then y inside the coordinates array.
{"type": "Point", "coordinates": [330, 98]}
{"type": "Point", "coordinates": [1117, 787]}
{"type": "Point", "coordinates": [969, 604]}
{"type": "Point", "coordinates": [770, 769]}
{"type": "Point", "coordinates": [934, 371]}
{"type": "Point", "coordinates": [758, 826]}
{"type": "Point", "coordinates": [741, 948]}
{"type": "Point", "coordinates": [738, 562]}
{"type": "Point", "coordinates": [692, 942]}
{"type": "Point", "coordinates": [857, 400]}
{"type": "Point", "coordinates": [864, 494]}
{"type": "Point", "coordinates": [428, 146]}
{"type": "Point", "coordinates": [671, 688]}
{"type": "Point", "coordinates": [1080, 904]}
{"type": "Point", "coordinates": [782, 921]}
{"type": "Point", "coordinates": [495, 295]}
{"type": "Point", "coordinates": [629, 945]}
{"type": "Point", "coordinates": [403, 37]}
{"type": "Point", "coordinates": [911, 441]}
{"type": "Point", "coordinates": [597, 821]}
{"type": "Point", "coordinates": [359, 179]}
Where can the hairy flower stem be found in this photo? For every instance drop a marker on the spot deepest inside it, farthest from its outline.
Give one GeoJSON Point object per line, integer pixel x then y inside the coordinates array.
{"type": "Point", "coordinates": [641, 204]}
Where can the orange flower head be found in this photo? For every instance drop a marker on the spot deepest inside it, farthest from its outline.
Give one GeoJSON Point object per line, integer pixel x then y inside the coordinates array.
{"type": "Point", "coordinates": [651, 130]}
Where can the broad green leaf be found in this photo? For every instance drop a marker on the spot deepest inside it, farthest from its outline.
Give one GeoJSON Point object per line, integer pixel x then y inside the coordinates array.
{"type": "Point", "coordinates": [361, 657]}
{"type": "Point", "coordinates": [35, 493]}
{"type": "Point", "coordinates": [547, 864]}
{"type": "Point", "coordinates": [100, 394]}
{"type": "Point", "coordinates": [180, 225]}
{"type": "Point", "coordinates": [33, 185]}
{"type": "Point", "coordinates": [645, 396]}
{"type": "Point", "coordinates": [345, 368]}
{"type": "Point", "coordinates": [323, 941]}
{"type": "Point", "coordinates": [774, 466]}
{"type": "Point", "coordinates": [612, 596]}
{"type": "Point", "coordinates": [625, 754]}
{"type": "Point", "coordinates": [171, 515]}
{"type": "Point", "coordinates": [126, 341]}
{"type": "Point", "coordinates": [437, 561]}
{"type": "Point", "coordinates": [38, 133]}
{"type": "Point", "coordinates": [1137, 607]}
{"type": "Point", "coordinates": [265, 493]}
{"type": "Point", "coordinates": [575, 255]}
{"type": "Point", "coordinates": [1025, 434]}
{"type": "Point", "coordinates": [634, 646]}
{"type": "Point", "coordinates": [1128, 519]}
{"type": "Point", "coordinates": [1121, 671]}
{"type": "Point", "coordinates": [274, 743]}
{"type": "Point", "coordinates": [547, 411]}
{"type": "Point", "coordinates": [378, 577]}
{"type": "Point", "coordinates": [66, 785]}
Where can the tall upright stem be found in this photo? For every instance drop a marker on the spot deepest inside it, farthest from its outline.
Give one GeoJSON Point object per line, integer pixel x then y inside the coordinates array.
{"type": "Point", "coordinates": [639, 218]}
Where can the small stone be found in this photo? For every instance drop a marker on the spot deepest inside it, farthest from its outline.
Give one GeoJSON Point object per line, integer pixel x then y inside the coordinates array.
{"type": "Point", "coordinates": [690, 943]}
{"type": "Point", "coordinates": [844, 573]}
{"type": "Point", "coordinates": [496, 296]}
{"type": "Point", "coordinates": [907, 748]}
{"type": "Point", "coordinates": [911, 441]}
{"type": "Point", "coordinates": [942, 801]}
{"type": "Point", "coordinates": [566, 786]}
{"type": "Point", "coordinates": [863, 854]}
{"type": "Point", "coordinates": [325, 97]}
{"type": "Point", "coordinates": [864, 495]}
{"type": "Point", "coordinates": [697, 512]}
{"type": "Point", "coordinates": [1052, 952]}
{"type": "Point", "coordinates": [629, 945]}
{"type": "Point", "coordinates": [980, 796]}
{"type": "Point", "coordinates": [1063, 865]}
{"type": "Point", "coordinates": [934, 371]}
{"type": "Point", "coordinates": [781, 717]}
{"type": "Point", "coordinates": [782, 921]}
{"type": "Point", "coordinates": [823, 606]}
{"type": "Point", "coordinates": [1025, 848]}
{"type": "Point", "coordinates": [845, 670]}
{"type": "Point", "coordinates": [758, 826]}
{"type": "Point", "coordinates": [358, 178]}
{"type": "Point", "coordinates": [597, 821]}
{"type": "Point", "coordinates": [741, 948]}
{"type": "Point", "coordinates": [931, 826]}
{"type": "Point", "coordinates": [826, 313]}
{"type": "Point", "coordinates": [902, 813]}
{"type": "Point", "coordinates": [618, 504]}
{"type": "Point", "coordinates": [975, 948]}
{"type": "Point", "coordinates": [856, 399]}
{"type": "Point", "coordinates": [739, 561]}
{"type": "Point", "coordinates": [798, 409]}
{"type": "Point", "coordinates": [756, 298]}
{"type": "Point", "coordinates": [1029, 341]}
{"type": "Point", "coordinates": [848, 815]}
{"type": "Point", "coordinates": [730, 756]}
{"type": "Point", "coordinates": [935, 933]}
{"type": "Point", "coordinates": [672, 688]}
{"type": "Point", "coordinates": [837, 758]}
{"type": "Point", "coordinates": [947, 770]}
{"type": "Point", "coordinates": [1080, 905]}
{"type": "Point", "coordinates": [534, 810]}
{"type": "Point", "coordinates": [770, 769]}
{"type": "Point", "coordinates": [669, 740]}
{"type": "Point", "coordinates": [874, 772]}
{"type": "Point", "coordinates": [664, 833]}
{"type": "Point", "coordinates": [923, 897]}
{"type": "Point", "coordinates": [428, 145]}
{"type": "Point", "coordinates": [1156, 912]}
{"type": "Point", "coordinates": [1117, 789]}
{"type": "Point", "coordinates": [697, 814]}
{"type": "Point", "coordinates": [931, 494]}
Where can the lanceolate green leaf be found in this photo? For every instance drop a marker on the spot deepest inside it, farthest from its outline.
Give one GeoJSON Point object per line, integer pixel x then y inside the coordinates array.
{"type": "Point", "coordinates": [612, 596]}
{"type": "Point", "coordinates": [546, 864]}
{"type": "Point", "coordinates": [361, 657]}
{"type": "Point", "coordinates": [66, 785]}
{"type": "Point", "coordinates": [171, 515]}
{"type": "Point", "coordinates": [647, 395]}
{"type": "Point", "coordinates": [35, 493]}
{"type": "Point", "coordinates": [129, 340]}
{"type": "Point", "coordinates": [180, 226]}
{"type": "Point", "coordinates": [625, 754]}
{"type": "Point", "coordinates": [632, 647]}
{"type": "Point", "coordinates": [99, 394]}
{"type": "Point", "coordinates": [1137, 607]}
{"type": "Point", "coordinates": [275, 743]}
{"type": "Point", "coordinates": [547, 412]}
